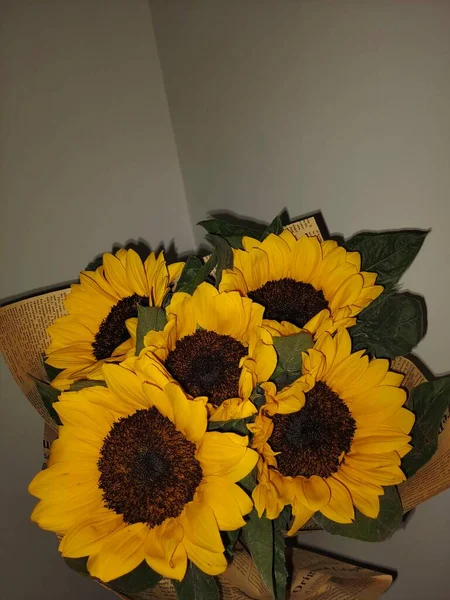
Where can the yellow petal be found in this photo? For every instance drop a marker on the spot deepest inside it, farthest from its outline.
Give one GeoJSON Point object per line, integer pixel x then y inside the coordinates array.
{"type": "Point", "coordinates": [378, 444]}
{"type": "Point", "coordinates": [60, 517]}
{"type": "Point", "coordinates": [181, 307]}
{"type": "Point", "coordinates": [122, 552]}
{"type": "Point", "coordinates": [340, 506]}
{"type": "Point", "coordinates": [292, 398]}
{"type": "Point", "coordinates": [59, 483]}
{"type": "Point", "coordinates": [174, 270]}
{"type": "Point", "coordinates": [164, 549]}
{"type": "Point", "coordinates": [227, 500]}
{"type": "Point", "coordinates": [366, 500]}
{"type": "Point", "coordinates": [259, 269]}
{"type": "Point", "coordinates": [200, 526]}
{"type": "Point", "coordinates": [135, 273]}
{"type": "Point", "coordinates": [89, 533]}
{"type": "Point", "coordinates": [391, 378]}
{"type": "Point", "coordinates": [159, 399]}
{"type": "Point", "coordinates": [301, 514]}
{"type": "Point", "coordinates": [83, 414]}
{"type": "Point", "coordinates": [190, 416]}
{"type": "Point", "coordinates": [116, 275]}
{"type": "Point", "coordinates": [226, 455]}
{"type": "Point", "coordinates": [403, 419]}
{"type": "Point", "coordinates": [316, 492]}
{"type": "Point", "coordinates": [348, 292]}
{"type": "Point", "coordinates": [233, 408]}
{"type": "Point", "coordinates": [381, 475]}
{"type": "Point", "coordinates": [383, 399]}
{"type": "Point", "coordinates": [279, 255]}
{"type": "Point", "coordinates": [233, 280]}
{"type": "Point", "coordinates": [202, 303]}
{"type": "Point", "coordinates": [126, 386]}
{"type": "Point", "coordinates": [201, 538]}
{"type": "Point", "coordinates": [374, 375]}
{"type": "Point", "coordinates": [305, 258]}
{"type": "Point", "coordinates": [265, 360]}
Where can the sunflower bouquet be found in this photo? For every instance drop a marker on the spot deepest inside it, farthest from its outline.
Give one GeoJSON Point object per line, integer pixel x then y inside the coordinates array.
{"type": "Point", "coordinates": [228, 402]}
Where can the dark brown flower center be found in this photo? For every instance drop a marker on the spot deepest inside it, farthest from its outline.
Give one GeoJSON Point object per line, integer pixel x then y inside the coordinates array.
{"type": "Point", "coordinates": [148, 469]}
{"type": "Point", "coordinates": [113, 331]}
{"type": "Point", "coordinates": [289, 300]}
{"type": "Point", "coordinates": [206, 363]}
{"type": "Point", "coordinates": [312, 440]}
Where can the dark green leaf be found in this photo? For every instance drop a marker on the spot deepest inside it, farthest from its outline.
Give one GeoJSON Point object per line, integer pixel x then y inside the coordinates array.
{"type": "Point", "coordinates": [224, 255]}
{"type": "Point", "coordinates": [80, 385]}
{"type": "Point", "coordinates": [279, 556]}
{"type": "Point", "coordinates": [195, 271]}
{"type": "Point", "coordinates": [78, 564]}
{"type": "Point", "coordinates": [49, 395]}
{"type": "Point", "coordinates": [140, 579]}
{"type": "Point", "coordinates": [196, 585]}
{"type": "Point", "coordinates": [392, 328]}
{"type": "Point", "coordinates": [235, 241]}
{"type": "Point", "coordinates": [388, 253]}
{"type": "Point", "coordinates": [150, 318]}
{"type": "Point", "coordinates": [258, 396]}
{"type": "Point", "coordinates": [229, 539]}
{"type": "Point", "coordinates": [430, 401]}
{"type": "Point", "coordinates": [258, 538]}
{"type": "Point", "coordinates": [289, 350]}
{"type": "Point", "coordinates": [232, 233]}
{"type": "Point", "coordinates": [233, 426]}
{"type": "Point", "coordinates": [366, 529]}
{"type": "Point", "coordinates": [167, 300]}
{"type": "Point", "coordinates": [51, 372]}
{"type": "Point", "coordinates": [249, 482]}
{"type": "Point", "coordinates": [276, 227]}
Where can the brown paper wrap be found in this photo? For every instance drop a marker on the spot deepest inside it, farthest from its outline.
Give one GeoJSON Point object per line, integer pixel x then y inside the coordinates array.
{"type": "Point", "coordinates": [23, 339]}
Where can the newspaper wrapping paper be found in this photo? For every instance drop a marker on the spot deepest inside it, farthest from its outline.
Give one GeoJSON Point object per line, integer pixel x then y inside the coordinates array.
{"type": "Point", "coordinates": [315, 577]}
{"type": "Point", "coordinates": [23, 340]}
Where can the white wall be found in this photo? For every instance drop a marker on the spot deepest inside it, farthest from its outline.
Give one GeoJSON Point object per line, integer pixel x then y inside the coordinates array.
{"type": "Point", "coordinates": [87, 158]}
{"type": "Point", "coordinates": [340, 106]}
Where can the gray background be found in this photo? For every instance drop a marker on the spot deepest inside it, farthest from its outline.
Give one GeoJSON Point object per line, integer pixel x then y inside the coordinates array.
{"type": "Point", "coordinates": [118, 122]}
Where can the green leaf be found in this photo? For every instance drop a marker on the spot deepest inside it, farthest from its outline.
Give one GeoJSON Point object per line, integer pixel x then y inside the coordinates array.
{"type": "Point", "coordinates": [76, 386]}
{"type": "Point", "coordinates": [150, 318]}
{"type": "Point", "coordinates": [51, 372]}
{"type": "Point", "coordinates": [224, 254]}
{"type": "Point", "coordinates": [232, 233]}
{"type": "Point", "coordinates": [258, 396]}
{"type": "Point", "coordinates": [258, 538]}
{"type": "Point", "coordinates": [388, 253]}
{"type": "Point", "coordinates": [289, 350]}
{"type": "Point", "coordinates": [276, 227]}
{"type": "Point", "coordinates": [249, 482]}
{"type": "Point", "coordinates": [49, 396]}
{"type": "Point", "coordinates": [78, 564]}
{"type": "Point", "coordinates": [279, 555]}
{"type": "Point", "coordinates": [393, 327]}
{"type": "Point", "coordinates": [140, 579]}
{"type": "Point", "coordinates": [366, 529]}
{"type": "Point", "coordinates": [195, 271]}
{"type": "Point", "coordinates": [430, 400]}
{"type": "Point", "coordinates": [233, 426]}
{"type": "Point", "coordinates": [229, 539]}
{"type": "Point", "coordinates": [196, 585]}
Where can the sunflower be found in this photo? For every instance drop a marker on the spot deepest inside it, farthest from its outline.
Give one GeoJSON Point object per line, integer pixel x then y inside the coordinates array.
{"type": "Point", "coordinates": [339, 444]}
{"type": "Point", "coordinates": [94, 331]}
{"type": "Point", "coordinates": [317, 286]}
{"type": "Point", "coordinates": [213, 345]}
{"type": "Point", "coordinates": [134, 477]}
